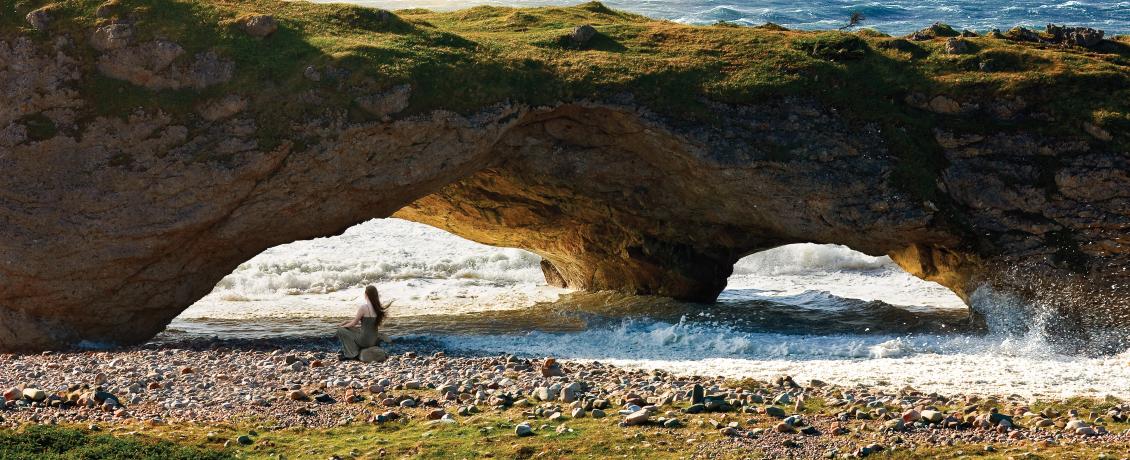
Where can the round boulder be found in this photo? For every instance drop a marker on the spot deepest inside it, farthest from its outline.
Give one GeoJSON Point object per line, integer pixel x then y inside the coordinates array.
{"type": "Point", "coordinates": [958, 46]}
{"type": "Point", "coordinates": [260, 25]}
{"type": "Point", "coordinates": [582, 34]}
{"type": "Point", "coordinates": [373, 355]}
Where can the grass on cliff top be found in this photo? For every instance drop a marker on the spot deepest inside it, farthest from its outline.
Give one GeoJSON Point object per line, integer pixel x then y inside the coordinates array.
{"type": "Point", "coordinates": [468, 59]}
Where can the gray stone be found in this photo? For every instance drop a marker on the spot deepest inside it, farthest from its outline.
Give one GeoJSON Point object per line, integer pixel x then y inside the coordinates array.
{"type": "Point", "coordinates": [698, 394]}
{"type": "Point", "coordinates": [957, 46]}
{"type": "Point", "coordinates": [260, 25]}
{"type": "Point", "coordinates": [639, 417]}
{"type": "Point", "coordinates": [39, 19]}
{"type": "Point", "coordinates": [111, 37]}
{"type": "Point", "coordinates": [35, 394]}
{"type": "Point", "coordinates": [523, 430]}
{"type": "Point", "coordinates": [582, 34]}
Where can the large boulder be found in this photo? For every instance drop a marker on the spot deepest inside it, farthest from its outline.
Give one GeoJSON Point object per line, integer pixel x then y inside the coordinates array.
{"type": "Point", "coordinates": [373, 355]}
{"type": "Point", "coordinates": [260, 25]}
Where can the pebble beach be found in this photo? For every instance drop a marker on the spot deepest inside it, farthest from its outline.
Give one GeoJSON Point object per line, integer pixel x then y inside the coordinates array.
{"type": "Point", "coordinates": [302, 383]}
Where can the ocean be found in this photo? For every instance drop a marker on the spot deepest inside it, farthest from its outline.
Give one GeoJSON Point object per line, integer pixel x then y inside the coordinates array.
{"type": "Point", "coordinates": [806, 310]}
{"type": "Point", "coordinates": [894, 17]}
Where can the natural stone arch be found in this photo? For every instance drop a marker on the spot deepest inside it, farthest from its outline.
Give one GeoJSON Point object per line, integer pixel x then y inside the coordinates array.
{"type": "Point", "coordinates": [615, 200]}
{"type": "Point", "coordinates": [612, 197]}
{"type": "Point", "coordinates": [121, 208]}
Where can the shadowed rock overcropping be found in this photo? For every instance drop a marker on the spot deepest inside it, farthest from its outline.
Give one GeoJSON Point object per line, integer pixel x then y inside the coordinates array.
{"type": "Point", "coordinates": [149, 147]}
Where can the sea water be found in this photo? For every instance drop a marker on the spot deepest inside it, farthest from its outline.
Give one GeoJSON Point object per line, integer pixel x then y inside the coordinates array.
{"type": "Point", "coordinates": [806, 310]}
{"type": "Point", "coordinates": [889, 16]}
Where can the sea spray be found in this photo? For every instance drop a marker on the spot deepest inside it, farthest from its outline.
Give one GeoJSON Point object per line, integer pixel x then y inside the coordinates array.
{"type": "Point", "coordinates": [811, 311]}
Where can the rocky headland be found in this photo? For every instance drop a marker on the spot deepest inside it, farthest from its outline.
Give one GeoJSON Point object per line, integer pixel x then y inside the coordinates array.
{"type": "Point", "coordinates": [148, 147]}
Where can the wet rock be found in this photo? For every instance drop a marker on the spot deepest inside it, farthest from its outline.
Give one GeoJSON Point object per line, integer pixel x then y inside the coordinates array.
{"type": "Point", "coordinates": [260, 25]}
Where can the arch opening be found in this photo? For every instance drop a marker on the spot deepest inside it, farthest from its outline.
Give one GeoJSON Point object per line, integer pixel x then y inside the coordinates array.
{"type": "Point", "coordinates": [441, 283]}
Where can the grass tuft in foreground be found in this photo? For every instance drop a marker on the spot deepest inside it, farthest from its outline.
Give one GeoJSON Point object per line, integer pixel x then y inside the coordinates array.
{"type": "Point", "coordinates": [44, 442]}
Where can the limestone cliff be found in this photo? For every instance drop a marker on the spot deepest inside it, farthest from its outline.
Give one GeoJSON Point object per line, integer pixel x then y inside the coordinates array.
{"type": "Point", "coordinates": [150, 146]}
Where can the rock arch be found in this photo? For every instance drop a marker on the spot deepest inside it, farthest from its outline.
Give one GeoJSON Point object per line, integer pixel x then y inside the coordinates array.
{"type": "Point", "coordinates": [116, 219]}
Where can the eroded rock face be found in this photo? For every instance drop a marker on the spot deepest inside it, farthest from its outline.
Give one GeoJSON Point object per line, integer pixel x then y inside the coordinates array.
{"type": "Point", "coordinates": [114, 224]}
{"type": "Point", "coordinates": [615, 199]}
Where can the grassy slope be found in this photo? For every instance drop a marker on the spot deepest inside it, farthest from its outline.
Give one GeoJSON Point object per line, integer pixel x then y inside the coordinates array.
{"type": "Point", "coordinates": [467, 59]}
{"type": "Point", "coordinates": [491, 435]}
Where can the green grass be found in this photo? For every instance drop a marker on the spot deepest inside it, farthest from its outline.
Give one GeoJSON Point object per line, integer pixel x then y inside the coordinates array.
{"type": "Point", "coordinates": [44, 442]}
{"type": "Point", "coordinates": [469, 59]}
{"type": "Point", "coordinates": [490, 434]}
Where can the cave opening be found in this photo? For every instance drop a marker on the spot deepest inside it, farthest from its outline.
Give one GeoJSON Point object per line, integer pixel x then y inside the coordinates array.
{"type": "Point", "coordinates": [438, 282]}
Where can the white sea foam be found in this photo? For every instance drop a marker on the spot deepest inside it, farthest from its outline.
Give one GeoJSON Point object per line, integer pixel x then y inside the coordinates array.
{"type": "Point", "coordinates": [422, 269]}
{"type": "Point", "coordinates": [946, 363]}
{"type": "Point", "coordinates": [429, 273]}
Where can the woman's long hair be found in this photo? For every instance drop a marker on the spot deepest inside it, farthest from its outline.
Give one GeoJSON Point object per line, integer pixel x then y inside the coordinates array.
{"type": "Point", "coordinates": [375, 300]}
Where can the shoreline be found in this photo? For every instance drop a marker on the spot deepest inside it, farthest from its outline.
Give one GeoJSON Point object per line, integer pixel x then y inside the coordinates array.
{"type": "Point", "coordinates": [283, 385]}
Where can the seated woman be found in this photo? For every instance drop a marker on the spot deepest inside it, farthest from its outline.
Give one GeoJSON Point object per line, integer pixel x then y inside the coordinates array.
{"type": "Point", "coordinates": [361, 332]}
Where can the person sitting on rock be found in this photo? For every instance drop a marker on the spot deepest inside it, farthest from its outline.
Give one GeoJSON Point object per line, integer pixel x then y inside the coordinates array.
{"type": "Point", "coordinates": [360, 332]}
